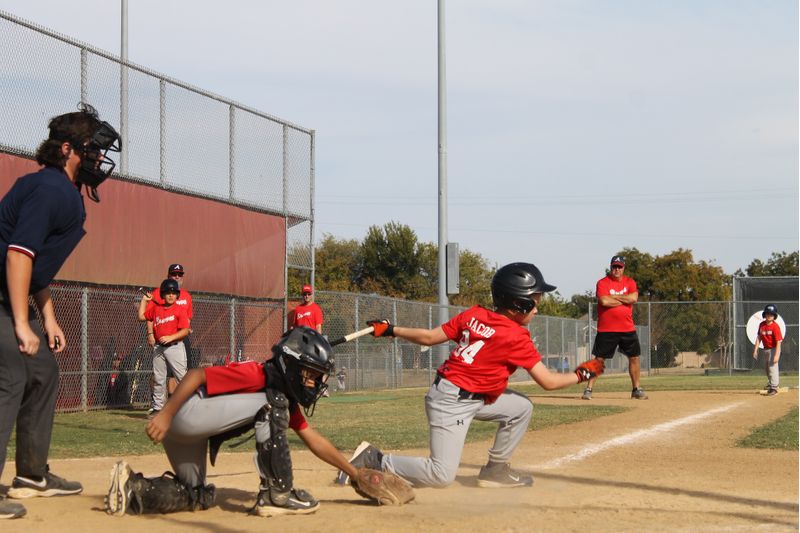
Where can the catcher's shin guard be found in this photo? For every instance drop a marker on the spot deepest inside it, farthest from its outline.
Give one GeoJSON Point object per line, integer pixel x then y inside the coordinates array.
{"type": "Point", "coordinates": [272, 458]}
{"type": "Point", "coordinates": [165, 494]}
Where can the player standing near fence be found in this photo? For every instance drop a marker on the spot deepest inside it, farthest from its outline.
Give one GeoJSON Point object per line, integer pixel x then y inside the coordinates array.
{"type": "Point", "coordinates": [616, 294]}
{"type": "Point", "coordinates": [307, 313]}
{"type": "Point", "coordinates": [769, 333]}
{"type": "Point", "coordinates": [41, 223]}
{"type": "Point", "coordinates": [473, 384]}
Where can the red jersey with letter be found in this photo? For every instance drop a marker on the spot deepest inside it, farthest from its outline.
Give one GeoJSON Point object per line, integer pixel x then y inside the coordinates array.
{"type": "Point", "coordinates": [769, 334]}
{"type": "Point", "coordinates": [620, 318]}
{"type": "Point", "coordinates": [490, 348]}
{"type": "Point", "coordinates": [167, 320]}
{"type": "Point", "coordinates": [237, 378]}
{"type": "Point", "coordinates": [184, 300]}
{"type": "Point", "coordinates": [306, 315]}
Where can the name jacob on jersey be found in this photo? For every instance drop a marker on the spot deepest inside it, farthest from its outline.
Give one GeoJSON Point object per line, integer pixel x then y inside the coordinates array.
{"type": "Point", "coordinates": [480, 329]}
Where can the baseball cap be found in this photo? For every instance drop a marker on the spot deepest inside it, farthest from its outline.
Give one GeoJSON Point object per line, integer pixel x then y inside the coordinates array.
{"type": "Point", "coordinates": [175, 267]}
{"type": "Point", "coordinates": [618, 260]}
{"type": "Point", "coordinates": [307, 289]}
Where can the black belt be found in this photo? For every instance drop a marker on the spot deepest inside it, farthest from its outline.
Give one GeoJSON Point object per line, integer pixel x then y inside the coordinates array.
{"type": "Point", "coordinates": [169, 344]}
{"type": "Point", "coordinates": [463, 394]}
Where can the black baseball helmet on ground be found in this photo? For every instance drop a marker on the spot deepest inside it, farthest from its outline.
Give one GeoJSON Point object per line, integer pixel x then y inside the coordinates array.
{"type": "Point", "coordinates": [299, 348]}
{"type": "Point", "coordinates": [514, 284]}
{"type": "Point", "coordinates": [169, 285]}
{"type": "Point", "coordinates": [770, 309]}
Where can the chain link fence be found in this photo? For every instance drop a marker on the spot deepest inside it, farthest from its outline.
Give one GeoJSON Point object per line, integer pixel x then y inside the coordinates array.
{"type": "Point", "coordinates": [175, 136]}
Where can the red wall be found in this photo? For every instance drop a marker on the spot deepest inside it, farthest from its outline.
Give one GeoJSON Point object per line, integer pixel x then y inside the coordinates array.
{"type": "Point", "coordinates": [136, 231]}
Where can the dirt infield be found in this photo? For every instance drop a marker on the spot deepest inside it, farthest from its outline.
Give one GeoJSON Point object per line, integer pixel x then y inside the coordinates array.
{"type": "Point", "coordinates": [668, 464]}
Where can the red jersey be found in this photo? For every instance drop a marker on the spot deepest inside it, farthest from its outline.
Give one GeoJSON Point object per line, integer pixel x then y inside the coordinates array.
{"type": "Point", "coordinates": [306, 315]}
{"type": "Point", "coordinates": [620, 318]}
{"type": "Point", "coordinates": [237, 378]}
{"type": "Point", "coordinates": [490, 348]}
{"type": "Point", "coordinates": [167, 320]}
{"type": "Point", "coordinates": [184, 300]}
{"type": "Point", "coordinates": [769, 334]}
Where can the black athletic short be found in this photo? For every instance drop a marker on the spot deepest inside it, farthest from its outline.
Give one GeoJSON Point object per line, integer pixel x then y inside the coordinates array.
{"type": "Point", "coordinates": [606, 343]}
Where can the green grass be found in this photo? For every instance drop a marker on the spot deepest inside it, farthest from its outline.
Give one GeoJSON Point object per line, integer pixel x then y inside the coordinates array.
{"type": "Point", "coordinates": [391, 419]}
{"type": "Point", "coordinates": [780, 434]}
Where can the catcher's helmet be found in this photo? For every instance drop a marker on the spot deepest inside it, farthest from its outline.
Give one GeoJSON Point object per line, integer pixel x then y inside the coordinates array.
{"type": "Point", "coordinates": [514, 284]}
{"type": "Point", "coordinates": [299, 348]}
{"type": "Point", "coordinates": [169, 285]}
{"type": "Point", "coordinates": [770, 309]}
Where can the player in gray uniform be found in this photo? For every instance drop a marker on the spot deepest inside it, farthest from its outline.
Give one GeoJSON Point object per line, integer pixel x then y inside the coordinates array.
{"type": "Point", "coordinates": [217, 403]}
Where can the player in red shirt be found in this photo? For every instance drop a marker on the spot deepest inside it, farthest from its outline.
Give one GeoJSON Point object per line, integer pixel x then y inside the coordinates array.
{"type": "Point", "coordinates": [472, 384]}
{"type": "Point", "coordinates": [307, 313]}
{"type": "Point", "coordinates": [170, 327]}
{"type": "Point", "coordinates": [616, 294]}
{"type": "Point", "coordinates": [214, 404]}
{"type": "Point", "coordinates": [771, 337]}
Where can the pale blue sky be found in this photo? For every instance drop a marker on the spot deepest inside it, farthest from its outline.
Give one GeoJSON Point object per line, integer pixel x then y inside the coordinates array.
{"type": "Point", "coordinates": [576, 128]}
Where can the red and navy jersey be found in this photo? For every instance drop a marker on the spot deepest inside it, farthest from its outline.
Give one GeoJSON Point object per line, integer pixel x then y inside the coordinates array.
{"type": "Point", "coordinates": [167, 320]}
{"type": "Point", "coordinates": [238, 378]}
{"type": "Point", "coordinates": [41, 216]}
{"type": "Point", "coordinates": [490, 348]}
{"type": "Point", "coordinates": [769, 334]}
{"type": "Point", "coordinates": [620, 318]}
{"type": "Point", "coordinates": [184, 300]}
{"type": "Point", "coordinates": [306, 315]}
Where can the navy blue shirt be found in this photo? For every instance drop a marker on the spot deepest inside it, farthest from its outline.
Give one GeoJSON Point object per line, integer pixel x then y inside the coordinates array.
{"type": "Point", "coordinates": [42, 216]}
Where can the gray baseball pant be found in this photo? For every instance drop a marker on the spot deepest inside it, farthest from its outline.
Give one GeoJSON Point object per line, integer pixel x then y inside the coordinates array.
{"type": "Point", "coordinates": [198, 419]}
{"type": "Point", "coordinates": [773, 372]}
{"type": "Point", "coordinates": [449, 418]}
{"type": "Point", "coordinates": [173, 356]}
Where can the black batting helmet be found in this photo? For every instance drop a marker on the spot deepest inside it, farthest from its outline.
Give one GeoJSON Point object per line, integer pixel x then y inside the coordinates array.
{"type": "Point", "coordinates": [770, 309]}
{"type": "Point", "coordinates": [514, 284]}
{"type": "Point", "coordinates": [299, 348]}
{"type": "Point", "coordinates": [169, 285]}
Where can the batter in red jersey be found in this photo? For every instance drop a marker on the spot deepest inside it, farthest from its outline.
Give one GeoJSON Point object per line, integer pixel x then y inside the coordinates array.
{"type": "Point", "coordinates": [616, 294]}
{"type": "Point", "coordinates": [472, 383]}
{"type": "Point", "coordinates": [308, 313]}
{"type": "Point", "coordinates": [771, 338]}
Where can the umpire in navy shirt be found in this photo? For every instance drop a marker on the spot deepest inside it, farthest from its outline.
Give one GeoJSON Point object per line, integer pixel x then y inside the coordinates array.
{"type": "Point", "coordinates": [41, 222]}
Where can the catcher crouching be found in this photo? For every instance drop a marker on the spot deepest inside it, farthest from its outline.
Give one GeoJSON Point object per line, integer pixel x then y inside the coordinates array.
{"type": "Point", "coordinates": [212, 405]}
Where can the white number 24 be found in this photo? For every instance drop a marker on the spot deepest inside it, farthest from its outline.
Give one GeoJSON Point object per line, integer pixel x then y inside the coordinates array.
{"type": "Point", "coordinates": [468, 351]}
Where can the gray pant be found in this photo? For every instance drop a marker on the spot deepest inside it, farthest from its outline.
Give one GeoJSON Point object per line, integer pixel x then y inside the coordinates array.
{"type": "Point", "coordinates": [773, 372]}
{"type": "Point", "coordinates": [449, 418]}
{"type": "Point", "coordinates": [28, 390]}
{"type": "Point", "coordinates": [173, 356]}
{"type": "Point", "coordinates": [198, 419]}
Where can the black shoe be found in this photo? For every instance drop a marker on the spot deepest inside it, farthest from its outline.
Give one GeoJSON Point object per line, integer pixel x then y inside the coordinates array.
{"type": "Point", "coordinates": [772, 392]}
{"type": "Point", "coordinates": [51, 485]}
{"type": "Point", "coordinates": [365, 456]}
{"type": "Point", "coordinates": [296, 501]}
{"type": "Point", "coordinates": [501, 475]}
{"type": "Point", "coordinates": [9, 509]}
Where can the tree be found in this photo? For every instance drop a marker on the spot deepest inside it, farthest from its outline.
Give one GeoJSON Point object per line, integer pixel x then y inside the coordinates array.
{"type": "Point", "coordinates": [335, 261]}
{"type": "Point", "coordinates": [390, 261]}
{"type": "Point", "coordinates": [475, 285]}
{"type": "Point", "coordinates": [778, 264]}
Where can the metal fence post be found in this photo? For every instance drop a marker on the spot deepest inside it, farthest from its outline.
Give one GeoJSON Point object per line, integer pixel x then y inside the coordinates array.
{"type": "Point", "coordinates": [649, 339]}
{"type": "Point", "coordinates": [84, 74]}
{"type": "Point", "coordinates": [561, 355]}
{"type": "Point", "coordinates": [357, 347]}
{"type": "Point", "coordinates": [232, 330]}
{"type": "Point", "coordinates": [395, 370]}
{"type": "Point", "coordinates": [430, 353]}
{"type": "Point", "coordinates": [231, 152]}
{"type": "Point", "coordinates": [162, 131]}
{"type": "Point", "coordinates": [85, 349]}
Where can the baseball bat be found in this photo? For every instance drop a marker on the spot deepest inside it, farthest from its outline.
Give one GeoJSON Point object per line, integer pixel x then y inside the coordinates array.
{"type": "Point", "coordinates": [357, 334]}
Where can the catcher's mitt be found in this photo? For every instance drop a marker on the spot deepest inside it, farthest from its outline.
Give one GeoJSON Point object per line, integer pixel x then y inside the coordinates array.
{"type": "Point", "coordinates": [383, 487]}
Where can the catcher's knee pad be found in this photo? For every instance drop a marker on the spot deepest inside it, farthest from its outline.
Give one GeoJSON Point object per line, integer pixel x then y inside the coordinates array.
{"type": "Point", "coordinates": [165, 494]}
{"type": "Point", "coordinates": [272, 446]}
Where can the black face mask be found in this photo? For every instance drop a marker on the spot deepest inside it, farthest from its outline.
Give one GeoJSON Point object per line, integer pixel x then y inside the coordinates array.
{"type": "Point", "coordinates": [96, 165]}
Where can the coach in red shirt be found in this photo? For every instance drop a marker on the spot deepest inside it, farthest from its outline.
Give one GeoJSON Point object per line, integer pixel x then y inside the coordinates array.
{"type": "Point", "coordinates": [616, 294]}
{"type": "Point", "coordinates": [307, 313]}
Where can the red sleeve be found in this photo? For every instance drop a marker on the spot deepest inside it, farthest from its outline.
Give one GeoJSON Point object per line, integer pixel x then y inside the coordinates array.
{"type": "Point", "coordinates": [183, 320]}
{"type": "Point", "coordinates": [524, 354]}
{"type": "Point", "coordinates": [235, 378]}
{"type": "Point", "coordinates": [452, 328]}
{"type": "Point", "coordinates": [297, 421]}
{"type": "Point", "coordinates": [150, 311]}
{"type": "Point", "coordinates": [601, 289]}
{"type": "Point", "coordinates": [189, 311]}
{"type": "Point", "coordinates": [632, 286]}
{"type": "Point", "coordinates": [778, 334]}
{"type": "Point", "coordinates": [319, 316]}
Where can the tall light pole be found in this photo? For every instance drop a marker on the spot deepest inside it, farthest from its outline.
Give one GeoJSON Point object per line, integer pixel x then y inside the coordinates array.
{"type": "Point", "coordinates": [123, 87]}
{"type": "Point", "coordinates": [443, 300]}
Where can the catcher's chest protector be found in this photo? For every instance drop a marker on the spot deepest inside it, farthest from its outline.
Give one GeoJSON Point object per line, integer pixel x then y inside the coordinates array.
{"type": "Point", "coordinates": [165, 494]}
{"type": "Point", "coordinates": [272, 445]}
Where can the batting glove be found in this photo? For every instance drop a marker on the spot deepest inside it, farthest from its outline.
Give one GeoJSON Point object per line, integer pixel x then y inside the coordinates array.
{"type": "Point", "coordinates": [382, 328]}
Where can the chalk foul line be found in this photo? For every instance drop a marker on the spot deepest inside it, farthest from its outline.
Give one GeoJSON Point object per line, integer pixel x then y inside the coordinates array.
{"type": "Point", "coordinates": [665, 427]}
